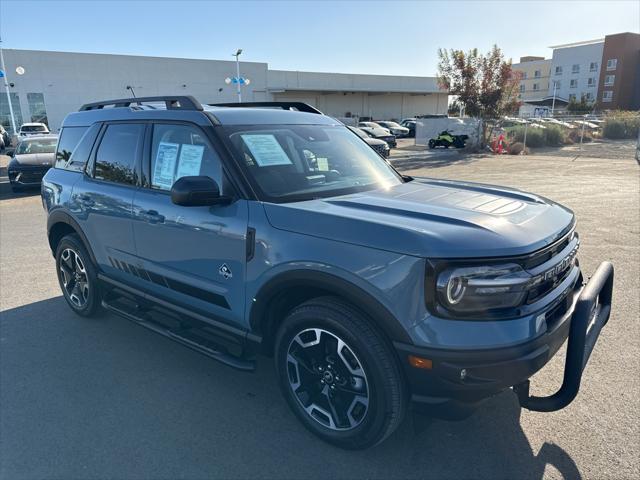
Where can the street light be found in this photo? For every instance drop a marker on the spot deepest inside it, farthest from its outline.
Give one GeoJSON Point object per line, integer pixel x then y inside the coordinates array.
{"type": "Point", "coordinates": [237, 55]}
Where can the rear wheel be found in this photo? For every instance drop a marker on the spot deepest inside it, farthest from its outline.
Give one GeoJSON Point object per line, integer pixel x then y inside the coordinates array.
{"type": "Point", "coordinates": [339, 375]}
{"type": "Point", "coordinates": [77, 276]}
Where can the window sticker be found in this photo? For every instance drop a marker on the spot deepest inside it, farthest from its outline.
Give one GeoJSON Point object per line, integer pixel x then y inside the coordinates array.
{"type": "Point", "coordinates": [190, 160]}
{"type": "Point", "coordinates": [165, 164]}
{"type": "Point", "coordinates": [323, 164]}
{"type": "Point", "coordinates": [266, 150]}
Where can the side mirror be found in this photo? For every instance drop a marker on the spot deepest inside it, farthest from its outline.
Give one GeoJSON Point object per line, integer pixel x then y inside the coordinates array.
{"type": "Point", "coordinates": [197, 191]}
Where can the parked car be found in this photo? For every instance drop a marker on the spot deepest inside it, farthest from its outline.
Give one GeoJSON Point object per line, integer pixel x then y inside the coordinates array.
{"type": "Point", "coordinates": [376, 131]}
{"type": "Point", "coordinates": [379, 146]}
{"type": "Point", "coordinates": [34, 128]}
{"type": "Point", "coordinates": [5, 138]}
{"type": "Point", "coordinates": [371, 289]}
{"type": "Point", "coordinates": [395, 128]}
{"type": "Point", "coordinates": [411, 126]}
{"type": "Point", "coordinates": [32, 158]}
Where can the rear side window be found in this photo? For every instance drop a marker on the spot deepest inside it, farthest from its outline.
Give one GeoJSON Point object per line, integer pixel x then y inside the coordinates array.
{"type": "Point", "coordinates": [179, 151]}
{"type": "Point", "coordinates": [117, 153]}
{"type": "Point", "coordinates": [69, 139]}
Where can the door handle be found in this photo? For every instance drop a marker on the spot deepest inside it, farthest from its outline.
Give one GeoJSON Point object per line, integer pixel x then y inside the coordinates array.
{"type": "Point", "coordinates": [152, 216]}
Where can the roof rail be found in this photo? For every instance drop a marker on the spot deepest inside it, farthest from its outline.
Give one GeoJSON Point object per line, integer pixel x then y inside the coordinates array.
{"type": "Point", "coordinates": [299, 106]}
{"type": "Point", "coordinates": [179, 102]}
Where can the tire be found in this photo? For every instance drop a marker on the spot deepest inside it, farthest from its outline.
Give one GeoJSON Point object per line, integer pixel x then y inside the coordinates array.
{"type": "Point", "coordinates": [352, 400]}
{"type": "Point", "coordinates": [432, 144]}
{"type": "Point", "coordinates": [77, 276]}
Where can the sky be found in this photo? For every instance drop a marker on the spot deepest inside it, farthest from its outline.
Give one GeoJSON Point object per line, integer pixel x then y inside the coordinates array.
{"type": "Point", "coordinates": [377, 37]}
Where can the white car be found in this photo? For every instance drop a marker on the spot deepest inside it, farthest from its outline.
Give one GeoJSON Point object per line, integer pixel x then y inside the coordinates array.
{"type": "Point", "coordinates": [34, 128]}
{"type": "Point", "coordinates": [395, 128]}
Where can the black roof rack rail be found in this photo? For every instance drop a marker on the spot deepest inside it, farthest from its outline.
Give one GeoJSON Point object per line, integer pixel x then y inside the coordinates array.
{"type": "Point", "coordinates": [178, 102]}
{"type": "Point", "coordinates": [299, 106]}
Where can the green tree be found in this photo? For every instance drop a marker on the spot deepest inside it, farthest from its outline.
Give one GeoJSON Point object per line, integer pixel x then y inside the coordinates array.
{"type": "Point", "coordinates": [583, 106]}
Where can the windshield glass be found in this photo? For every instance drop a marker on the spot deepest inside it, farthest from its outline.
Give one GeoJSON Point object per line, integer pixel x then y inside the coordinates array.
{"type": "Point", "coordinates": [288, 163]}
{"type": "Point", "coordinates": [33, 128]}
{"type": "Point", "coordinates": [45, 145]}
{"type": "Point", "coordinates": [390, 124]}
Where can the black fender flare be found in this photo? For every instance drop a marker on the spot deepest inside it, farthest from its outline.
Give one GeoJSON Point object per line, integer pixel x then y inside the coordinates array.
{"type": "Point", "coordinates": [60, 216]}
{"type": "Point", "coordinates": [334, 285]}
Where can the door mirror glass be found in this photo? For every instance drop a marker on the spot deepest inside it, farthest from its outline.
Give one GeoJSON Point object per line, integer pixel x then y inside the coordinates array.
{"type": "Point", "coordinates": [196, 191]}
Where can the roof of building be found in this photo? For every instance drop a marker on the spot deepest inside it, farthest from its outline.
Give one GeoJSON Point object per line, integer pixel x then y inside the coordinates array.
{"type": "Point", "coordinates": [579, 44]}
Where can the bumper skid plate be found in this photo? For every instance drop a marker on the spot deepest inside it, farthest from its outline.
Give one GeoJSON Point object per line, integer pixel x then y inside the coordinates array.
{"type": "Point", "coordinates": [590, 315]}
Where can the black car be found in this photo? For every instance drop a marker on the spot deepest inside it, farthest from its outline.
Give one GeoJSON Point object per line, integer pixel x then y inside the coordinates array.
{"type": "Point", "coordinates": [379, 146]}
{"type": "Point", "coordinates": [32, 158]}
{"type": "Point", "coordinates": [411, 125]}
{"type": "Point", "coordinates": [378, 131]}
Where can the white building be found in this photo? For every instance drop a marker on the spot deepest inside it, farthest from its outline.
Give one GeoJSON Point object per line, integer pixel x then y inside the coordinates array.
{"type": "Point", "coordinates": [575, 69]}
{"type": "Point", "coordinates": [56, 83]}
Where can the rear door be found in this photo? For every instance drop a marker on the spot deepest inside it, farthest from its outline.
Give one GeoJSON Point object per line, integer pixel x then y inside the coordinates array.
{"type": "Point", "coordinates": [191, 256]}
{"type": "Point", "coordinates": [102, 199]}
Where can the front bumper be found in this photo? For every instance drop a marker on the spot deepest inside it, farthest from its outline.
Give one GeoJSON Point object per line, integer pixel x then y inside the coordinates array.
{"type": "Point", "coordinates": [467, 377]}
{"type": "Point", "coordinates": [27, 176]}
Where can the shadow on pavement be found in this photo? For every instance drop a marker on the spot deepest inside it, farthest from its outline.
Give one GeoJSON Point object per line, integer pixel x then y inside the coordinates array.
{"type": "Point", "coordinates": [104, 398]}
{"type": "Point", "coordinates": [415, 162]}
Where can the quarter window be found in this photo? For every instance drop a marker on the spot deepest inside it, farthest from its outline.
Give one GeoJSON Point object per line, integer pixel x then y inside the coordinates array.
{"type": "Point", "coordinates": [69, 139]}
{"type": "Point", "coordinates": [117, 153]}
{"type": "Point", "coordinates": [180, 151]}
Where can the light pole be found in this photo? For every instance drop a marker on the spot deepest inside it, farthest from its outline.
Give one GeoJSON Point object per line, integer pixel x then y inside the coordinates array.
{"type": "Point", "coordinates": [6, 87]}
{"type": "Point", "coordinates": [237, 55]}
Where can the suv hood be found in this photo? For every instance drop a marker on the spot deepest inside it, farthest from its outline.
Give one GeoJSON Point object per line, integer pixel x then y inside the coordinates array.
{"type": "Point", "coordinates": [431, 218]}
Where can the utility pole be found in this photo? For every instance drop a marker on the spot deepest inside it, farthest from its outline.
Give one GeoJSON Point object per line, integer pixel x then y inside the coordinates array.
{"type": "Point", "coordinates": [237, 55]}
{"type": "Point", "coordinates": [6, 87]}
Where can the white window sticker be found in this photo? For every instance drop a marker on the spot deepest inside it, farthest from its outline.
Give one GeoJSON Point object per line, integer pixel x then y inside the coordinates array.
{"type": "Point", "coordinates": [266, 150]}
{"type": "Point", "coordinates": [323, 164]}
{"type": "Point", "coordinates": [190, 160]}
{"type": "Point", "coordinates": [165, 164]}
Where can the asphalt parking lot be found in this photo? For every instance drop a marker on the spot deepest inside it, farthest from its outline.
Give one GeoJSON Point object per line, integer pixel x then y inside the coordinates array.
{"type": "Point", "coordinates": [103, 398]}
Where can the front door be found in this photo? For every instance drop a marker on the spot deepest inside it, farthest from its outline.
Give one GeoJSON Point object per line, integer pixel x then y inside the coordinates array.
{"type": "Point", "coordinates": [192, 256]}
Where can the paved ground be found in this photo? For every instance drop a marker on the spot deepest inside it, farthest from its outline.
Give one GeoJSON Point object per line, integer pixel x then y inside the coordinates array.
{"type": "Point", "coordinates": [103, 398]}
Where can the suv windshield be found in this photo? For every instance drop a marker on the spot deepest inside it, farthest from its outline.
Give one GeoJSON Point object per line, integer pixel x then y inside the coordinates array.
{"type": "Point", "coordinates": [390, 124]}
{"type": "Point", "coordinates": [37, 146]}
{"type": "Point", "coordinates": [286, 163]}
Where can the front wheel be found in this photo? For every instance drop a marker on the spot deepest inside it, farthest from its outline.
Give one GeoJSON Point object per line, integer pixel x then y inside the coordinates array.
{"type": "Point", "coordinates": [338, 374]}
{"type": "Point", "coordinates": [432, 143]}
{"type": "Point", "coordinates": [77, 276]}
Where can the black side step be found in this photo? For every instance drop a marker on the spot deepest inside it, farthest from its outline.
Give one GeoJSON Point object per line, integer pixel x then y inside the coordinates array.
{"type": "Point", "coordinates": [185, 336]}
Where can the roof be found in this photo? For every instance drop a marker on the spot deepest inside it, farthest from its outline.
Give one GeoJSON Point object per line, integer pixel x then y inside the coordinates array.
{"type": "Point", "coordinates": [33, 124]}
{"type": "Point", "coordinates": [579, 44]}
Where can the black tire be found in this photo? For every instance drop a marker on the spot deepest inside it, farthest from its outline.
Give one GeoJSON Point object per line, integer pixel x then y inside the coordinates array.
{"type": "Point", "coordinates": [73, 272]}
{"type": "Point", "coordinates": [432, 144]}
{"type": "Point", "coordinates": [366, 351]}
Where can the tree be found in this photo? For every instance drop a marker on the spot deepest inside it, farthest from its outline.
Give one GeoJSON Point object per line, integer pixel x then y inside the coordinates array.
{"type": "Point", "coordinates": [485, 84]}
{"type": "Point", "coordinates": [583, 106]}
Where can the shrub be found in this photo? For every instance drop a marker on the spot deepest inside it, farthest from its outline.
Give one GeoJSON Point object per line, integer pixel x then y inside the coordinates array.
{"type": "Point", "coordinates": [574, 136]}
{"type": "Point", "coordinates": [553, 135]}
{"type": "Point", "coordinates": [621, 125]}
{"type": "Point", "coordinates": [535, 136]}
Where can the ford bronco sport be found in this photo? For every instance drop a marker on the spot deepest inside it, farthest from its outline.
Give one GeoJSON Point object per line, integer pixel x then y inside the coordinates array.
{"type": "Point", "coordinates": [269, 228]}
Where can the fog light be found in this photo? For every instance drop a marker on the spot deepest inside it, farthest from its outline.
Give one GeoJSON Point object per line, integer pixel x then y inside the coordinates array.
{"type": "Point", "coordinates": [419, 362]}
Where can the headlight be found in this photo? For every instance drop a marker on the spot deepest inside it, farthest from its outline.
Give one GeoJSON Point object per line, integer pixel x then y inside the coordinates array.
{"type": "Point", "coordinates": [480, 288]}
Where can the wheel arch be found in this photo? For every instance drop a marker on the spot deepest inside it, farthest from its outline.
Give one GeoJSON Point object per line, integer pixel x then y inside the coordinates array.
{"type": "Point", "coordinates": [289, 289]}
{"type": "Point", "coordinates": [60, 224]}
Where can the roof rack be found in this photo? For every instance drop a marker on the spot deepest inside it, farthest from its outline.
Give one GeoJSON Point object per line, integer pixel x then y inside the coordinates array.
{"type": "Point", "coordinates": [299, 106]}
{"type": "Point", "coordinates": [180, 102]}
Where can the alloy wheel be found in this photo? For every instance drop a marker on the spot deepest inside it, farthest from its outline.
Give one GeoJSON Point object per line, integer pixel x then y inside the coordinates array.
{"type": "Point", "coordinates": [327, 379]}
{"type": "Point", "coordinates": [74, 277]}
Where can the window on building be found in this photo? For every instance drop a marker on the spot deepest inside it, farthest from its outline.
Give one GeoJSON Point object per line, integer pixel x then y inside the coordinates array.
{"type": "Point", "coordinates": [536, 86]}
{"type": "Point", "coordinates": [607, 96]}
{"type": "Point", "coordinates": [609, 80]}
{"type": "Point", "coordinates": [612, 63]}
{"type": "Point", "coordinates": [37, 109]}
{"type": "Point", "coordinates": [591, 82]}
{"type": "Point", "coordinates": [5, 113]}
{"type": "Point", "coordinates": [116, 156]}
{"type": "Point", "coordinates": [588, 96]}
{"type": "Point", "coordinates": [575, 68]}
{"type": "Point", "coordinates": [180, 151]}
{"type": "Point", "coordinates": [557, 84]}
{"type": "Point", "coordinates": [524, 75]}
{"type": "Point", "coordinates": [558, 70]}
{"type": "Point", "coordinates": [537, 74]}
{"type": "Point", "coordinates": [522, 88]}
{"type": "Point", "coordinates": [593, 67]}
{"type": "Point", "coordinates": [573, 83]}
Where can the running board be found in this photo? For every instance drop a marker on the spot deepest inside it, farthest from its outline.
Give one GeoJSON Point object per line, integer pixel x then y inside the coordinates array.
{"type": "Point", "coordinates": [186, 336]}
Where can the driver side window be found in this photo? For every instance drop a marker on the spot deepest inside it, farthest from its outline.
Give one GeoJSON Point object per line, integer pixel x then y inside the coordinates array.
{"type": "Point", "coordinates": [179, 151]}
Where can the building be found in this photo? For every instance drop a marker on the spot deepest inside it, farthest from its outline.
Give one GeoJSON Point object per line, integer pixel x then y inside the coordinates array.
{"type": "Point", "coordinates": [619, 83]}
{"type": "Point", "coordinates": [56, 83]}
{"type": "Point", "coordinates": [534, 84]}
{"type": "Point", "coordinates": [575, 71]}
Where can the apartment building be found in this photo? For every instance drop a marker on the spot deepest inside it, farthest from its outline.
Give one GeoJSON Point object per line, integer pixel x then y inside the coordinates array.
{"type": "Point", "coordinates": [534, 84]}
{"type": "Point", "coordinates": [575, 70]}
{"type": "Point", "coordinates": [619, 83]}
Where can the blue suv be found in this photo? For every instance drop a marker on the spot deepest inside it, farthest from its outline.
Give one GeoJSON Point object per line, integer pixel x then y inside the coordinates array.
{"type": "Point", "coordinates": [269, 228]}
